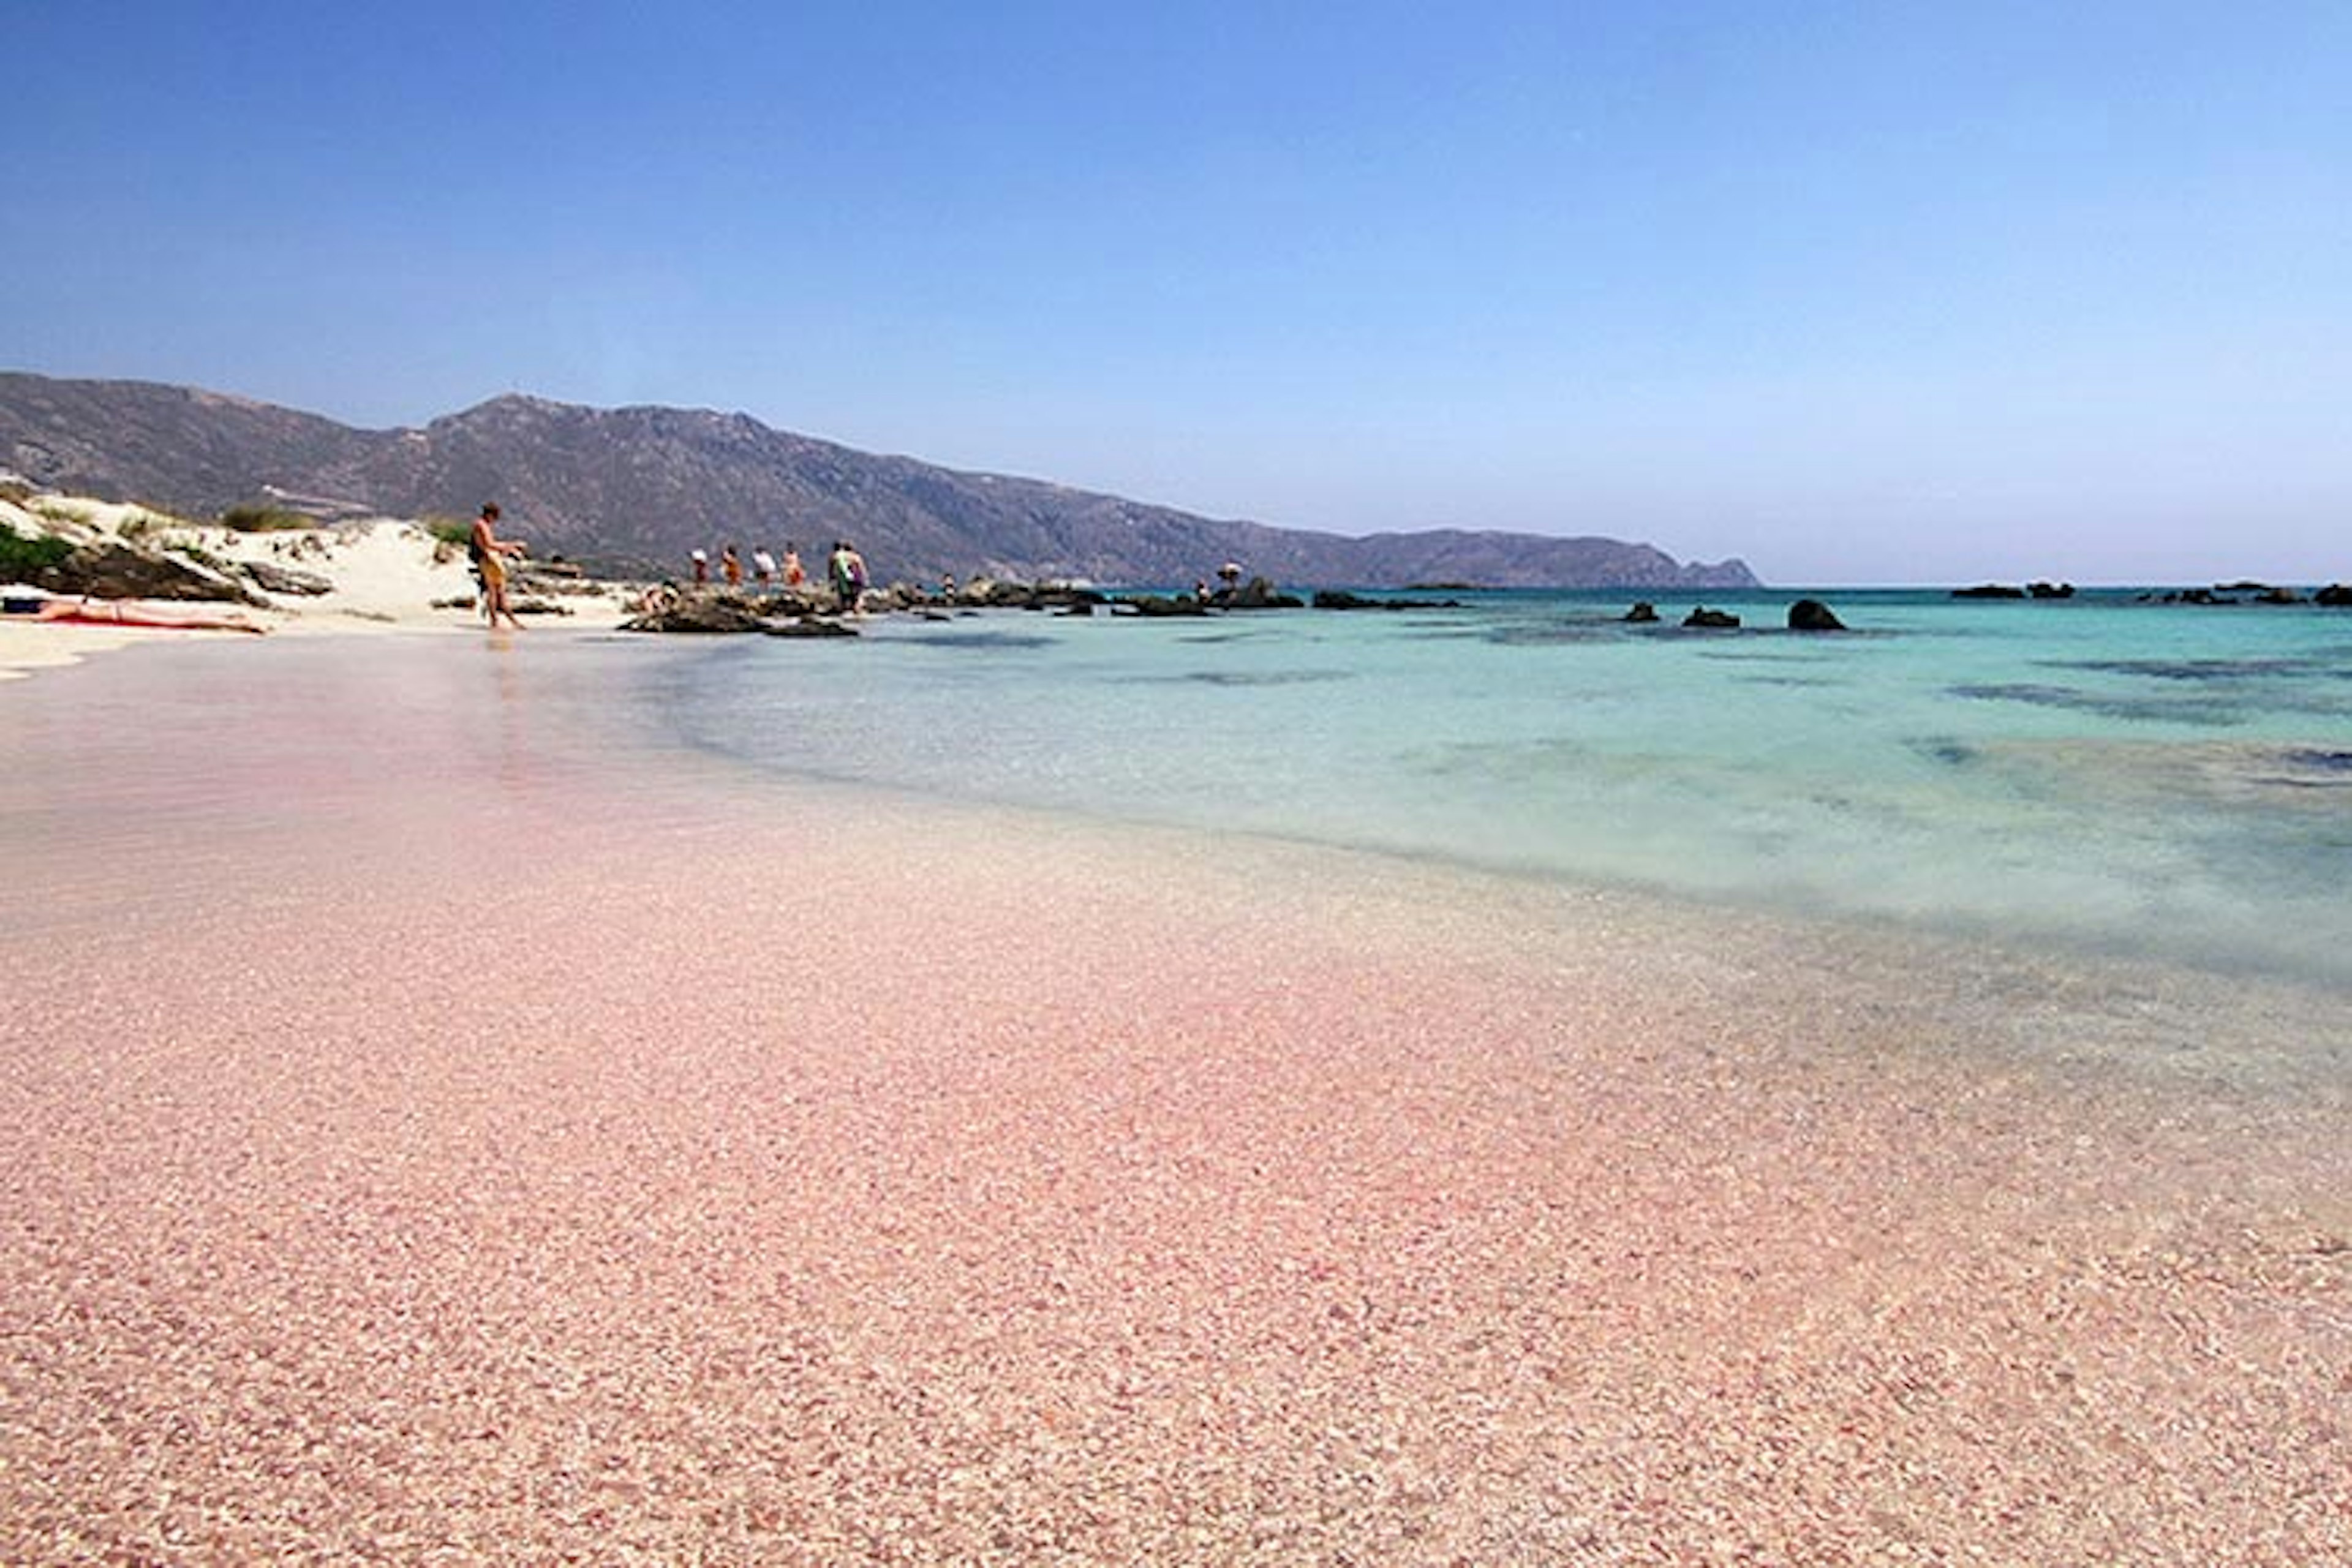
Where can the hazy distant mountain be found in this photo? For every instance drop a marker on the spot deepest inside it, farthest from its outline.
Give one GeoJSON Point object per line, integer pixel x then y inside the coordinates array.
{"type": "Point", "coordinates": [640, 486]}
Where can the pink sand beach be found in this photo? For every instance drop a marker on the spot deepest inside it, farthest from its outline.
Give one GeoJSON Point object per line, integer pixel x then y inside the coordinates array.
{"type": "Point", "coordinates": [434, 1138]}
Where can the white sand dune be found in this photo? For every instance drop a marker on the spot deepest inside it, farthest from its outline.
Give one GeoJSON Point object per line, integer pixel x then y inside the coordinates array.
{"type": "Point", "coordinates": [387, 576]}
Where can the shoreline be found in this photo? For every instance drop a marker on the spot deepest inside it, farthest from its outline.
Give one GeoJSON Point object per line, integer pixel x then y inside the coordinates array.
{"type": "Point", "coordinates": [469, 1155]}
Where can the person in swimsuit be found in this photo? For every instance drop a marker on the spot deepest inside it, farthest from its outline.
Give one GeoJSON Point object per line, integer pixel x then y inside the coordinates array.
{"type": "Point", "coordinates": [114, 613]}
{"type": "Point", "coordinates": [489, 551]}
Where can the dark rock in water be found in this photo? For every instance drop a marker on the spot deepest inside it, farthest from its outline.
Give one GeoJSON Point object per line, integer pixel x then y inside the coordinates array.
{"type": "Point", "coordinates": [716, 614]}
{"type": "Point", "coordinates": [1257, 593]}
{"type": "Point", "coordinates": [274, 579]}
{"type": "Point", "coordinates": [2336, 595]}
{"type": "Point", "coordinates": [1340, 599]}
{"type": "Point", "coordinates": [1989, 591]}
{"type": "Point", "coordinates": [1163, 605]}
{"type": "Point", "coordinates": [1813, 616]}
{"type": "Point", "coordinates": [111, 570]}
{"type": "Point", "coordinates": [2050, 590]}
{"type": "Point", "coordinates": [2278, 596]}
{"type": "Point", "coordinates": [1716, 620]}
{"type": "Point", "coordinates": [1643, 614]}
{"type": "Point", "coordinates": [811, 626]}
{"type": "Point", "coordinates": [983, 593]}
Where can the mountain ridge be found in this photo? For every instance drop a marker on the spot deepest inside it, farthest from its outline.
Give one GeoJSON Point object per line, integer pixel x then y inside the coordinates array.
{"type": "Point", "coordinates": [637, 487]}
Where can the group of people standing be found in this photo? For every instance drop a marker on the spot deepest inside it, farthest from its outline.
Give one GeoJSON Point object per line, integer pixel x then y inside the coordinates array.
{"type": "Point", "coordinates": [844, 570]}
{"type": "Point", "coordinates": [764, 568]}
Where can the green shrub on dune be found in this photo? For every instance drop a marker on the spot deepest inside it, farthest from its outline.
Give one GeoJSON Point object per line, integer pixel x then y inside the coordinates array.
{"type": "Point", "coordinates": [264, 519]}
{"type": "Point", "coordinates": [21, 556]}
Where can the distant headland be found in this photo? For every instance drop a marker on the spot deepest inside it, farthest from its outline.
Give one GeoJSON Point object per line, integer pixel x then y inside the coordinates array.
{"type": "Point", "coordinates": [633, 491]}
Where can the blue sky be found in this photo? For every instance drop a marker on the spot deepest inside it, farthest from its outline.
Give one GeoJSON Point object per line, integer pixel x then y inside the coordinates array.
{"type": "Point", "coordinates": [1860, 292]}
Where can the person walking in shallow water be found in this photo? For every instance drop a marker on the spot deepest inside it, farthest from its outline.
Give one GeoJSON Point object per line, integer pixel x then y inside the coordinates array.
{"type": "Point", "coordinates": [489, 551]}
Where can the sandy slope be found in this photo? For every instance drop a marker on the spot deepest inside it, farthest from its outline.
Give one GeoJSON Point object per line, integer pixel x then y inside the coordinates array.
{"type": "Point", "coordinates": [386, 576]}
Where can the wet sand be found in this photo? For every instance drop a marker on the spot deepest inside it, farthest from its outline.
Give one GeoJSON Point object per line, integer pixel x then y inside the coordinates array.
{"type": "Point", "coordinates": [430, 1147]}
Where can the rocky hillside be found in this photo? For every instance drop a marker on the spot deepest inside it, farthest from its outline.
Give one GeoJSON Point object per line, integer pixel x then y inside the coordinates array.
{"type": "Point", "coordinates": [638, 488]}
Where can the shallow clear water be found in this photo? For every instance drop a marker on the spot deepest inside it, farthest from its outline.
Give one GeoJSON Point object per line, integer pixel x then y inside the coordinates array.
{"type": "Point", "coordinates": [2070, 783]}
{"type": "Point", "coordinates": [2171, 782]}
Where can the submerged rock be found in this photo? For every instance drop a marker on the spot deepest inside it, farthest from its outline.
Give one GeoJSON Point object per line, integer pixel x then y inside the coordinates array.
{"type": "Point", "coordinates": [1712, 620]}
{"type": "Point", "coordinates": [1643, 614]}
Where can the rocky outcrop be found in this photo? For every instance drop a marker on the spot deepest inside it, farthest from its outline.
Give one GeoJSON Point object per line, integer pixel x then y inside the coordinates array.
{"type": "Point", "coordinates": [1704, 619]}
{"type": "Point", "coordinates": [2005, 591]}
{"type": "Point", "coordinates": [1159, 606]}
{"type": "Point", "coordinates": [1813, 616]}
{"type": "Point", "coordinates": [2336, 595]}
{"type": "Point", "coordinates": [1057, 596]}
{"type": "Point", "coordinates": [1340, 599]}
{"type": "Point", "coordinates": [1257, 593]}
{"type": "Point", "coordinates": [699, 615]}
{"type": "Point", "coordinates": [271, 578]}
{"type": "Point", "coordinates": [1643, 614]}
{"type": "Point", "coordinates": [2246, 590]}
{"type": "Point", "coordinates": [109, 569]}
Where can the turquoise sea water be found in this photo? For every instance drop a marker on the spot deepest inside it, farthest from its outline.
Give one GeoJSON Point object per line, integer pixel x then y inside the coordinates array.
{"type": "Point", "coordinates": [2165, 782]}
